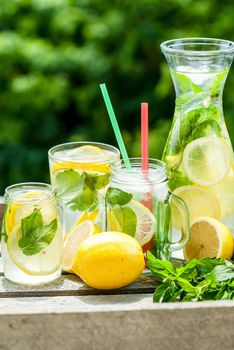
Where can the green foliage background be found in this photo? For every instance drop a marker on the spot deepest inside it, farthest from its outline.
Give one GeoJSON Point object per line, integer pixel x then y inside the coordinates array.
{"type": "Point", "coordinates": [54, 54]}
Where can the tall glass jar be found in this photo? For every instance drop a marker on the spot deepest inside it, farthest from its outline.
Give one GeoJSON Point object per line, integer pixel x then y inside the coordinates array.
{"type": "Point", "coordinates": [198, 152]}
{"type": "Point", "coordinates": [80, 173]}
{"type": "Point", "coordinates": [32, 243]}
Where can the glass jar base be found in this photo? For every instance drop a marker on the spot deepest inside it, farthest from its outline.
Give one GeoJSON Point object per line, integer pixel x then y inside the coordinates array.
{"type": "Point", "coordinates": [29, 280]}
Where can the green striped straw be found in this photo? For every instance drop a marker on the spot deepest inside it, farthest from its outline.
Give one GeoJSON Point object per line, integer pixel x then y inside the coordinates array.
{"type": "Point", "coordinates": [115, 125]}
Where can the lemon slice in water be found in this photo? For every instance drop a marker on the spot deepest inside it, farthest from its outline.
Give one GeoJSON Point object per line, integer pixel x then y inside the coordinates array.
{"type": "Point", "coordinates": [200, 201]}
{"type": "Point", "coordinates": [207, 160]}
{"type": "Point", "coordinates": [134, 219]}
{"type": "Point", "coordinates": [45, 262]}
{"type": "Point", "coordinates": [73, 240]}
{"type": "Point", "coordinates": [85, 158]}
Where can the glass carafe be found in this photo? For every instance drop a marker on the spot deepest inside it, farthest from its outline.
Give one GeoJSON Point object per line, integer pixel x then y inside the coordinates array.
{"type": "Point", "coordinates": [198, 152]}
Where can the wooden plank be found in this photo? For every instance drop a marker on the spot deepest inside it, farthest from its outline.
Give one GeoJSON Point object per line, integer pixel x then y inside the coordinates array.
{"type": "Point", "coordinates": [71, 285]}
{"type": "Point", "coordinates": [114, 322]}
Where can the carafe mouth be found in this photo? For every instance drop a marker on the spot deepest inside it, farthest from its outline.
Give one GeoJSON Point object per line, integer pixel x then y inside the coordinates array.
{"type": "Point", "coordinates": [201, 47]}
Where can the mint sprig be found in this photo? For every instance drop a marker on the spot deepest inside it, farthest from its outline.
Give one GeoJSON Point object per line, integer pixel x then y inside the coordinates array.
{"type": "Point", "coordinates": [200, 279]}
{"type": "Point", "coordinates": [35, 235]}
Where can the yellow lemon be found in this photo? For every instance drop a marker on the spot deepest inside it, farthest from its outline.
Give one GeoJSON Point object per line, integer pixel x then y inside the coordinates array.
{"type": "Point", "coordinates": [73, 240]}
{"type": "Point", "coordinates": [209, 238]}
{"type": "Point", "coordinates": [109, 260]}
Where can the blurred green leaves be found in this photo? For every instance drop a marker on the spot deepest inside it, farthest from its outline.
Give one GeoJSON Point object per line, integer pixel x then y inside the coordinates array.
{"type": "Point", "coordinates": [54, 54]}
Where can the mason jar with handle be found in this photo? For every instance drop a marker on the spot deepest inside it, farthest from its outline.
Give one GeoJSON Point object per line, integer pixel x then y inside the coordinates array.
{"type": "Point", "coordinates": [140, 204]}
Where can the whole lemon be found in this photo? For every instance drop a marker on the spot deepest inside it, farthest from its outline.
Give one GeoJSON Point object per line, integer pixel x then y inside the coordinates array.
{"type": "Point", "coordinates": [109, 260]}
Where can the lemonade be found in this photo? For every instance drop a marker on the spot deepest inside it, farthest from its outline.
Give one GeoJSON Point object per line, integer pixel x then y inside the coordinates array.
{"type": "Point", "coordinates": [139, 204]}
{"type": "Point", "coordinates": [80, 173]}
{"type": "Point", "coordinates": [31, 234]}
{"type": "Point", "coordinates": [198, 151]}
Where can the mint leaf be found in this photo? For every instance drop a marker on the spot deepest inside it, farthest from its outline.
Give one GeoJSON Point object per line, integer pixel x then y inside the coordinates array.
{"type": "Point", "coordinates": [68, 182]}
{"type": "Point", "coordinates": [35, 235]}
{"type": "Point", "coordinates": [185, 84]}
{"type": "Point", "coordinates": [177, 179]}
{"type": "Point", "coordinates": [162, 269]}
{"type": "Point", "coordinates": [166, 292]}
{"type": "Point", "coordinates": [219, 83]}
{"type": "Point", "coordinates": [194, 119]}
{"type": "Point", "coordinates": [116, 196]}
{"type": "Point", "coordinates": [96, 181]}
{"type": "Point", "coordinates": [125, 218]}
{"type": "Point", "coordinates": [85, 200]}
{"type": "Point", "coordinates": [220, 273]}
{"type": "Point", "coordinates": [206, 128]}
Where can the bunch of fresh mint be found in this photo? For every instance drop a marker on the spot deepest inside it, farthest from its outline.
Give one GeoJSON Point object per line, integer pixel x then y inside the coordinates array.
{"type": "Point", "coordinates": [200, 279]}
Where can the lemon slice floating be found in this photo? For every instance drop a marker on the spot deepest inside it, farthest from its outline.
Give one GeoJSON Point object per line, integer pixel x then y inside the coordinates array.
{"type": "Point", "coordinates": [85, 158]}
{"type": "Point", "coordinates": [209, 238]}
{"type": "Point", "coordinates": [145, 221]}
{"type": "Point", "coordinates": [73, 240]}
{"type": "Point", "coordinates": [45, 262]}
{"type": "Point", "coordinates": [200, 201]}
{"type": "Point", "coordinates": [207, 160]}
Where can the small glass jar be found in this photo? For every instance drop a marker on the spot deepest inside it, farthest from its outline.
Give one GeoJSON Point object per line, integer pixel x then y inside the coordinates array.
{"type": "Point", "coordinates": [140, 204]}
{"type": "Point", "coordinates": [32, 242]}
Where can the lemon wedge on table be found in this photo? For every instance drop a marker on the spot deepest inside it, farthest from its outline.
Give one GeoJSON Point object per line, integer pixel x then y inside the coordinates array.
{"type": "Point", "coordinates": [199, 200]}
{"type": "Point", "coordinates": [207, 160]}
{"type": "Point", "coordinates": [209, 238]}
{"type": "Point", "coordinates": [134, 219]}
{"type": "Point", "coordinates": [45, 262]}
{"type": "Point", "coordinates": [73, 240]}
{"type": "Point", "coordinates": [85, 158]}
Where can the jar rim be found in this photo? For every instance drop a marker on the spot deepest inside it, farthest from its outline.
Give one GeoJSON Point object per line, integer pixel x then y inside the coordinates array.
{"type": "Point", "coordinates": [187, 47]}
{"type": "Point", "coordinates": [12, 191]}
{"type": "Point", "coordinates": [159, 174]}
{"type": "Point", "coordinates": [71, 145]}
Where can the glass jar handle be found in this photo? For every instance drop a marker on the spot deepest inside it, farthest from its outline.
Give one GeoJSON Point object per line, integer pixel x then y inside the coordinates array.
{"type": "Point", "coordinates": [184, 222]}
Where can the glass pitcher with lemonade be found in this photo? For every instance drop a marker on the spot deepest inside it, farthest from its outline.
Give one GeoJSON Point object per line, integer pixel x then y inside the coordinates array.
{"type": "Point", "coordinates": [198, 152]}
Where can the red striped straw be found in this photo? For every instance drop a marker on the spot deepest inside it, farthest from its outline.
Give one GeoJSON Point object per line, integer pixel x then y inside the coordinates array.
{"type": "Point", "coordinates": [144, 136]}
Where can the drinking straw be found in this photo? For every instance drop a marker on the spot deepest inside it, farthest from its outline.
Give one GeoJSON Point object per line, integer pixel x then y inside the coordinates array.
{"type": "Point", "coordinates": [144, 136]}
{"type": "Point", "coordinates": [115, 125]}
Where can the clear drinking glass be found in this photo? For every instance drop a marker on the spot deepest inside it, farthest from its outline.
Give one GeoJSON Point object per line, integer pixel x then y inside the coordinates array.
{"type": "Point", "coordinates": [32, 242]}
{"type": "Point", "coordinates": [139, 203]}
{"type": "Point", "coordinates": [198, 152]}
{"type": "Point", "coordinates": [80, 173]}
